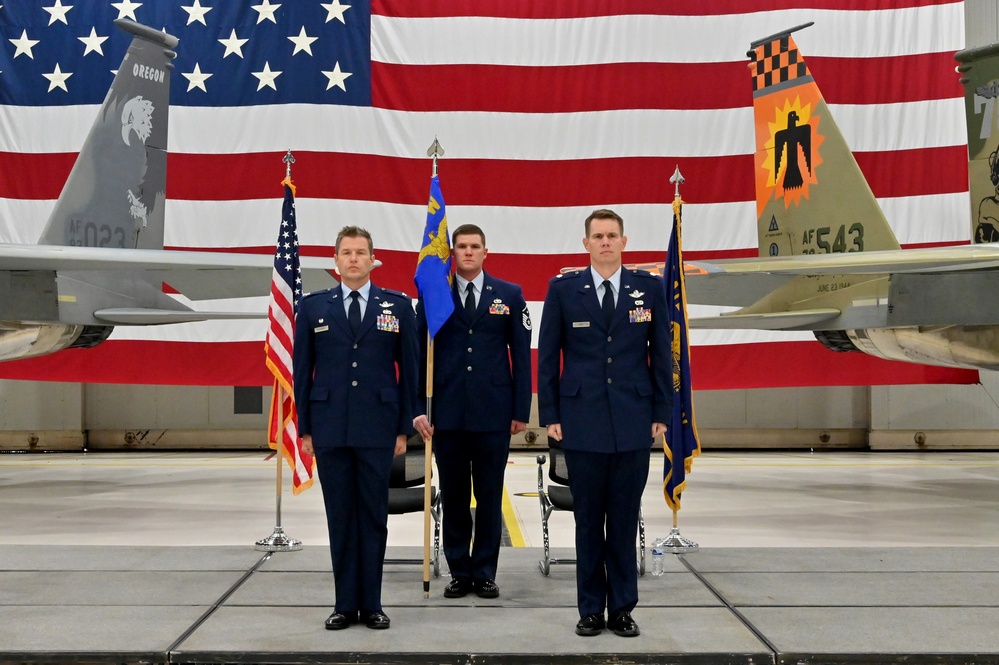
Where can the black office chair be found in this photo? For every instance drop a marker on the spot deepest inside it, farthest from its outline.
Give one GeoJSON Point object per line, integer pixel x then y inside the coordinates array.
{"type": "Point", "coordinates": [559, 497]}
{"type": "Point", "coordinates": [406, 495]}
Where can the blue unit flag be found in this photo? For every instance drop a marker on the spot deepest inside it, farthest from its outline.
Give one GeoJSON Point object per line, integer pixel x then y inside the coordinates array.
{"type": "Point", "coordinates": [682, 442]}
{"type": "Point", "coordinates": [433, 268]}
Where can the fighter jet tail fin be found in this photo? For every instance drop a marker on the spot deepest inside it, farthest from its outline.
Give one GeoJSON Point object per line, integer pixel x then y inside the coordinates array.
{"type": "Point", "coordinates": [979, 70]}
{"type": "Point", "coordinates": [811, 197]}
{"type": "Point", "coordinates": [116, 191]}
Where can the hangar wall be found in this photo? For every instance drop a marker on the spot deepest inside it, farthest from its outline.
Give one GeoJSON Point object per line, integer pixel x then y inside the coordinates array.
{"type": "Point", "coordinates": [61, 416]}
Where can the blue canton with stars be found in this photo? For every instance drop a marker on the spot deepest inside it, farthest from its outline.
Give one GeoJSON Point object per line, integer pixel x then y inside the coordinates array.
{"type": "Point", "coordinates": [231, 52]}
{"type": "Point", "coordinates": [286, 261]}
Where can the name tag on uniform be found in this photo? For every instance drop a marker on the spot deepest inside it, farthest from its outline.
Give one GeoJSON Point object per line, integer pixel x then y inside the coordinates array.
{"type": "Point", "coordinates": [640, 315]}
{"type": "Point", "coordinates": [387, 323]}
{"type": "Point", "coordinates": [320, 329]}
{"type": "Point", "coordinates": [580, 324]}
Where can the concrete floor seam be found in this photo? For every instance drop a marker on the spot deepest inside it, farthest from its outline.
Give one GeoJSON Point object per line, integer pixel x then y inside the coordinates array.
{"type": "Point", "coordinates": [217, 604]}
{"type": "Point", "coordinates": [731, 608]}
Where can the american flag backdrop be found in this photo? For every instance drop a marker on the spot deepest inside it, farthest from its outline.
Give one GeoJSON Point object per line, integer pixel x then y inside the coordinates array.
{"type": "Point", "coordinates": [546, 111]}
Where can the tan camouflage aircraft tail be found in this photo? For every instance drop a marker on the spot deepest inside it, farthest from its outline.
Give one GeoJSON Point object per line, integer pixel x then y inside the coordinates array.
{"type": "Point", "coordinates": [811, 197]}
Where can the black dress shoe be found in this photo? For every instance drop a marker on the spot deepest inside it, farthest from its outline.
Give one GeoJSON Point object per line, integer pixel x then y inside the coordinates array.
{"type": "Point", "coordinates": [377, 620]}
{"type": "Point", "coordinates": [590, 625]}
{"type": "Point", "coordinates": [622, 624]}
{"type": "Point", "coordinates": [458, 587]}
{"type": "Point", "coordinates": [485, 589]}
{"type": "Point", "coordinates": [340, 620]}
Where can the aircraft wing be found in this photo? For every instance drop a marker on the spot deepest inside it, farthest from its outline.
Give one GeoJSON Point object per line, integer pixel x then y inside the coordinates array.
{"type": "Point", "coordinates": [800, 319]}
{"type": "Point", "coordinates": [742, 282]}
{"type": "Point", "coordinates": [148, 316]}
{"type": "Point", "coordinates": [197, 275]}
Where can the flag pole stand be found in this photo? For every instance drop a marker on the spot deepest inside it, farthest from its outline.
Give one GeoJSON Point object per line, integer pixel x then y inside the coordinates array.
{"type": "Point", "coordinates": [278, 541]}
{"type": "Point", "coordinates": [676, 543]}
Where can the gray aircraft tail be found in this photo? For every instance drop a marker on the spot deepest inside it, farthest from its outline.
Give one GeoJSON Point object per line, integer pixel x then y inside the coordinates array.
{"type": "Point", "coordinates": [116, 192]}
{"type": "Point", "coordinates": [811, 196]}
{"type": "Point", "coordinates": [979, 70]}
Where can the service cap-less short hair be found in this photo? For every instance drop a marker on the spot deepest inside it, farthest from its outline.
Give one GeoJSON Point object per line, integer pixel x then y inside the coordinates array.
{"type": "Point", "coordinates": [468, 230]}
{"type": "Point", "coordinates": [354, 232]}
{"type": "Point", "coordinates": [603, 213]}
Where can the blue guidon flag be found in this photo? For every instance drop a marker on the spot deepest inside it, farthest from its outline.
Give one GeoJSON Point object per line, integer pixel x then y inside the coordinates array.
{"type": "Point", "coordinates": [682, 442]}
{"type": "Point", "coordinates": [433, 268]}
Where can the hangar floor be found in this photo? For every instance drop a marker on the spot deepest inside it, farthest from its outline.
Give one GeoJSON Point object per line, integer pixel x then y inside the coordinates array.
{"type": "Point", "coordinates": [811, 558]}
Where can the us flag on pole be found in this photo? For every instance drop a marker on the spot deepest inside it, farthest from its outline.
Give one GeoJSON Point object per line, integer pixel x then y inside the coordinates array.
{"type": "Point", "coordinates": [286, 289]}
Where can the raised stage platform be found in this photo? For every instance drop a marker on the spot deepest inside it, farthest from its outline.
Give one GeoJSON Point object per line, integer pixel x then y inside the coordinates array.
{"type": "Point", "coordinates": [89, 604]}
{"type": "Point", "coordinates": [805, 558]}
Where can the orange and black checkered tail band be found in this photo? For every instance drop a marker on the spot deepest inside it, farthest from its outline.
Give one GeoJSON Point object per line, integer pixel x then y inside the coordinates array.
{"type": "Point", "coordinates": [777, 62]}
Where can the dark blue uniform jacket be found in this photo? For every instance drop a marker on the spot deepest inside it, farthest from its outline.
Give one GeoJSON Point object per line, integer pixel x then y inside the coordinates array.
{"type": "Point", "coordinates": [617, 380]}
{"type": "Point", "coordinates": [355, 397]}
{"type": "Point", "coordinates": [479, 385]}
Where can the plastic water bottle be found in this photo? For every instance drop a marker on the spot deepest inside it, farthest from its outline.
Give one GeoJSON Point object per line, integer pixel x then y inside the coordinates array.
{"type": "Point", "coordinates": [658, 560]}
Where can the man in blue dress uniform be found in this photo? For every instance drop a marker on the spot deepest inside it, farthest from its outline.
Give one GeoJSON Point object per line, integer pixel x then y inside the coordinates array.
{"type": "Point", "coordinates": [605, 391]}
{"type": "Point", "coordinates": [355, 371]}
{"type": "Point", "coordinates": [482, 396]}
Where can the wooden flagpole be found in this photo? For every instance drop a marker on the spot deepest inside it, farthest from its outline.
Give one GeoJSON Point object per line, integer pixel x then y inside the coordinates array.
{"type": "Point", "coordinates": [427, 469]}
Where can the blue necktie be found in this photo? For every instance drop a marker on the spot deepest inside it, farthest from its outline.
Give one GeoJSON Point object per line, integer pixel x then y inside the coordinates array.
{"type": "Point", "coordinates": [608, 303]}
{"type": "Point", "coordinates": [354, 312]}
{"type": "Point", "coordinates": [470, 301]}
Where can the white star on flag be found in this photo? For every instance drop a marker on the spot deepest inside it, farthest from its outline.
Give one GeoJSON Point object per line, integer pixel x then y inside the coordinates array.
{"type": "Point", "coordinates": [266, 11]}
{"type": "Point", "coordinates": [57, 12]}
{"type": "Point", "coordinates": [303, 42]}
{"type": "Point", "coordinates": [57, 79]}
{"type": "Point", "coordinates": [336, 77]}
{"type": "Point", "coordinates": [233, 44]}
{"type": "Point", "coordinates": [196, 79]}
{"type": "Point", "coordinates": [93, 42]}
{"type": "Point", "coordinates": [24, 45]}
{"type": "Point", "coordinates": [126, 8]}
{"type": "Point", "coordinates": [335, 10]}
{"type": "Point", "coordinates": [266, 77]}
{"type": "Point", "coordinates": [196, 12]}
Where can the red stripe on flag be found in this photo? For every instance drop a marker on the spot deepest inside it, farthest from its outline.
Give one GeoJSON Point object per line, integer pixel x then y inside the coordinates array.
{"type": "Point", "coordinates": [760, 365]}
{"type": "Point", "coordinates": [799, 363]}
{"type": "Point", "coordinates": [163, 363]}
{"type": "Point", "coordinates": [532, 9]}
{"type": "Point", "coordinates": [648, 85]}
{"type": "Point", "coordinates": [554, 183]}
